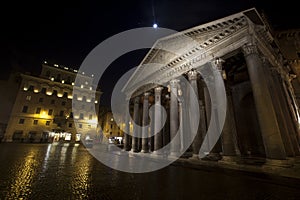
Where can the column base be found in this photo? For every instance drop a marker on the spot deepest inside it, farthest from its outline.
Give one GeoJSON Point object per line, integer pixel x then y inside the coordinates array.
{"type": "Point", "coordinates": [297, 160]}
{"type": "Point", "coordinates": [144, 151]}
{"type": "Point", "coordinates": [174, 154]}
{"type": "Point", "coordinates": [156, 154]}
{"type": "Point", "coordinates": [228, 159]}
{"type": "Point", "coordinates": [194, 157]}
{"type": "Point", "coordinates": [279, 163]}
{"type": "Point", "coordinates": [212, 157]}
{"type": "Point", "coordinates": [134, 150]}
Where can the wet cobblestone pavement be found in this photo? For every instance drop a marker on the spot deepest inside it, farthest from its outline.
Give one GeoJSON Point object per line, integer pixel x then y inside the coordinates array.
{"type": "Point", "coordinates": [49, 171]}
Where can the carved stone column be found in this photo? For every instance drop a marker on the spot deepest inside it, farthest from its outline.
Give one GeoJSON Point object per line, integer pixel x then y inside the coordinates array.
{"type": "Point", "coordinates": [192, 76]}
{"type": "Point", "coordinates": [287, 115]}
{"type": "Point", "coordinates": [135, 133]}
{"type": "Point", "coordinates": [279, 112]}
{"type": "Point", "coordinates": [265, 111]}
{"type": "Point", "coordinates": [229, 133]}
{"type": "Point", "coordinates": [174, 120]}
{"type": "Point", "coordinates": [145, 146]}
{"type": "Point", "coordinates": [157, 120]}
{"type": "Point", "coordinates": [127, 134]}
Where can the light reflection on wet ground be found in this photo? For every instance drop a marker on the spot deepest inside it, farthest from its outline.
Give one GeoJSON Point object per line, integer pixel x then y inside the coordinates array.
{"type": "Point", "coordinates": [48, 171]}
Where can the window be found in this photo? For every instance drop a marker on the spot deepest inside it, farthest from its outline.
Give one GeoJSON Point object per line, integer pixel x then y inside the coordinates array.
{"type": "Point", "coordinates": [63, 103]}
{"type": "Point", "coordinates": [70, 125]}
{"type": "Point", "coordinates": [28, 98]}
{"type": "Point", "coordinates": [38, 111]}
{"type": "Point", "coordinates": [35, 122]}
{"type": "Point", "coordinates": [58, 77]}
{"type": "Point", "coordinates": [47, 123]}
{"type": "Point", "coordinates": [25, 109]}
{"type": "Point", "coordinates": [54, 92]}
{"type": "Point", "coordinates": [90, 117]}
{"type": "Point", "coordinates": [81, 116]}
{"type": "Point", "coordinates": [71, 115]}
{"type": "Point", "coordinates": [43, 91]}
{"type": "Point", "coordinates": [50, 112]}
{"type": "Point", "coordinates": [21, 121]}
{"type": "Point", "coordinates": [52, 101]}
{"type": "Point", "coordinates": [61, 113]}
{"type": "Point", "coordinates": [41, 100]}
{"type": "Point", "coordinates": [65, 95]}
{"type": "Point", "coordinates": [30, 88]}
{"type": "Point", "coordinates": [80, 125]}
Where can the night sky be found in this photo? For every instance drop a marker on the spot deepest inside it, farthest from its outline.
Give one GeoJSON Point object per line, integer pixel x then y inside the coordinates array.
{"type": "Point", "coordinates": [64, 32]}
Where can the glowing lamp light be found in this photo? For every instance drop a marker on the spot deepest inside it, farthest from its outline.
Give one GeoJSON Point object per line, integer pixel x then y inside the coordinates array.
{"type": "Point", "coordinates": [70, 97]}
{"type": "Point", "coordinates": [79, 98]}
{"type": "Point", "coordinates": [88, 100]}
{"type": "Point", "coordinates": [91, 88]}
{"type": "Point", "coordinates": [52, 78]}
{"type": "Point", "coordinates": [73, 83]}
{"type": "Point", "coordinates": [49, 93]}
{"type": "Point", "coordinates": [96, 101]}
{"type": "Point", "coordinates": [35, 90]}
{"type": "Point", "coordinates": [62, 81]}
{"type": "Point", "coordinates": [81, 86]}
{"type": "Point", "coordinates": [155, 25]}
{"type": "Point", "coordinates": [59, 95]}
{"type": "Point", "coordinates": [25, 88]}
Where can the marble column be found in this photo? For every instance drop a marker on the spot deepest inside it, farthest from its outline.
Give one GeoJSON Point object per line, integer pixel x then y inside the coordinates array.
{"type": "Point", "coordinates": [192, 76]}
{"type": "Point", "coordinates": [287, 115]}
{"type": "Point", "coordinates": [157, 120]}
{"type": "Point", "coordinates": [229, 133]}
{"type": "Point", "coordinates": [145, 146]}
{"type": "Point", "coordinates": [272, 140]}
{"type": "Point", "coordinates": [174, 118]}
{"type": "Point", "coordinates": [136, 117]}
{"type": "Point", "coordinates": [278, 111]}
{"type": "Point", "coordinates": [151, 143]}
{"type": "Point", "coordinates": [180, 110]}
{"type": "Point", "coordinates": [127, 133]}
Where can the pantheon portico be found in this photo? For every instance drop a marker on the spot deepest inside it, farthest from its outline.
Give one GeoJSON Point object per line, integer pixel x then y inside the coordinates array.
{"type": "Point", "coordinates": [262, 116]}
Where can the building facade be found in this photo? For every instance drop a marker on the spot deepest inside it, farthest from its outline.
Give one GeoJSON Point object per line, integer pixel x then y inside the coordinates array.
{"type": "Point", "coordinates": [9, 89]}
{"type": "Point", "coordinates": [44, 107]}
{"type": "Point", "coordinates": [262, 115]}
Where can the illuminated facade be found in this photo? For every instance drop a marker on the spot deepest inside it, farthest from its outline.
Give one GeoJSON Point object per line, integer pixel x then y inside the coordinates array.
{"type": "Point", "coordinates": [44, 106]}
{"type": "Point", "coordinates": [262, 115]}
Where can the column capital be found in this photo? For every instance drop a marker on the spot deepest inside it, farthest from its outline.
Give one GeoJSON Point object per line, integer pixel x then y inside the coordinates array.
{"type": "Point", "coordinates": [158, 90]}
{"type": "Point", "coordinates": [137, 99]}
{"type": "Point", "coordinates": [249, 48]}
{"type": "Point", "coordinates": [146, 94]}
{"type": "Point", "coordinates": [219, 63]}
{"type": "Point", "coordinates": [174, 82]}
{"type": "Point", "coordinates": [192, 75]}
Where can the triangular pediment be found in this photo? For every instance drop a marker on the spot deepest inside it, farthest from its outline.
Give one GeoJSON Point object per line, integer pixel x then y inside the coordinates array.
{"type": "Point", "coordinates": [174, 52]}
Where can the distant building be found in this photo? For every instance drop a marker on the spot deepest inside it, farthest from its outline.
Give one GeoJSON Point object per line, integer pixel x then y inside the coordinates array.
{"type": "Point", "coordinates": [43, 110]}
{"type": "Point", "coordinates": [110, 129]}
{"type": "Point", "coordinates": [9, 89]}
